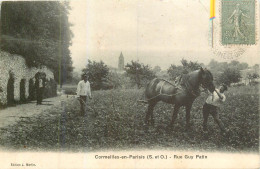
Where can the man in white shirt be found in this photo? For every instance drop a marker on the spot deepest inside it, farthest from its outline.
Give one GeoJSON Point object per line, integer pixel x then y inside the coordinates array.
{"type": "Point", "coordinates": [83, 92]}
{"type": "Point", "coordinates": [212, 105]}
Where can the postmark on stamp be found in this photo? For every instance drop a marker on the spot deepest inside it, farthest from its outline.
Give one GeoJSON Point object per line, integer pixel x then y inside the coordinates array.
{"type": "Point", "coordinates": [238, 22]}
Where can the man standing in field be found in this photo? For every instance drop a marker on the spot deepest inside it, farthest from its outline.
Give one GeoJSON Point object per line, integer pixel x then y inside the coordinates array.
{"type": "Point", "coordinates": [212, 107]}
{"type": "Point", "coordinates": [83, 92]}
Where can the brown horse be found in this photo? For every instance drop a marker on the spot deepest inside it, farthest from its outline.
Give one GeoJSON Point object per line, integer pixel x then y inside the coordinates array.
{"type": "Point", "coordinates": [182, 94]}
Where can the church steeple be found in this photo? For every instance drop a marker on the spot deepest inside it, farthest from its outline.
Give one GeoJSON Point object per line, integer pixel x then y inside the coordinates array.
{"type": "Point", "coordinates": [121, 63]}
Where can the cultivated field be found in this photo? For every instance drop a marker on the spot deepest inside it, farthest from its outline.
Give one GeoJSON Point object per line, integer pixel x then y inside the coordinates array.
{"type": "Point", "coordinates": [115, 121]}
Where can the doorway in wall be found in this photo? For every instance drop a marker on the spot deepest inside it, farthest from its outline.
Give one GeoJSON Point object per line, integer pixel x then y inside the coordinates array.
{"type": "Point", "coordinates": [10, 90]}
{"type": "Point", "coordinates": [22, 91]}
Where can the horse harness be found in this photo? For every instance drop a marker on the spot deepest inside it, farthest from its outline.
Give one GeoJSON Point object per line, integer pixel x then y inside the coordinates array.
{"type": "Point", "coordinates": [175, 85]}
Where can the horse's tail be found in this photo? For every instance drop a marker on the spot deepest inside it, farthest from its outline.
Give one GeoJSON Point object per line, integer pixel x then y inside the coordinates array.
{"type": "Point", "coordinates": [143, 98]}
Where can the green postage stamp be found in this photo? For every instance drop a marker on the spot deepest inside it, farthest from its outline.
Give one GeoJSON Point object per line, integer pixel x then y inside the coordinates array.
{"type": "Point", "coordinates": [238, 23]}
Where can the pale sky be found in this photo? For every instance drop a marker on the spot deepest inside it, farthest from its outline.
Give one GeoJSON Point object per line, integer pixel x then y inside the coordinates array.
{"type": "Point", "coordinates": [156, 32]}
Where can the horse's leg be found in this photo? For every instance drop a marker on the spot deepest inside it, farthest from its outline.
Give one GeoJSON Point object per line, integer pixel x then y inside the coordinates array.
{"type": "Point", "coordinates": [188, 108]}
{"type": "Point", "coordinates": [215, 115]}
{"type": "Point", "coordinates": [174, 114]}
{"type": "Point", "coordinates": [149, 112]}
{"type": "Point", "coordinates": [205, 111]}
{"type": "Point", "coordinates": [152, 119]}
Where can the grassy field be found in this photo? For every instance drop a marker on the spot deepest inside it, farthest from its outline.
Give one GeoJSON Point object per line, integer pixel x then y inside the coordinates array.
{"type": "Point", "coordinates": [115, 121]}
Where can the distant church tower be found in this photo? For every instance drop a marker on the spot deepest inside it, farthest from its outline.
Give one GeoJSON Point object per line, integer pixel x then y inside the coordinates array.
{"type": "Point", "coordinates": [121, 64]}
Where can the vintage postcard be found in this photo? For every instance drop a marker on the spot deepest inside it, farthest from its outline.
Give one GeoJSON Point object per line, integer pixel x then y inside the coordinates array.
{"type": "Point", "coordinates": [129, 84]}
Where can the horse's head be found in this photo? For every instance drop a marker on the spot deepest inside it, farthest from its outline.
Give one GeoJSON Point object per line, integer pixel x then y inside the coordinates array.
{"type": "Point", "coordinates": [207, 80]}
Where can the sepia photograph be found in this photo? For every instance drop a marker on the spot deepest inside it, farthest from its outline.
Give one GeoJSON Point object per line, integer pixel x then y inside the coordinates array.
{"type": "Point", "coordinates": [153, 83]}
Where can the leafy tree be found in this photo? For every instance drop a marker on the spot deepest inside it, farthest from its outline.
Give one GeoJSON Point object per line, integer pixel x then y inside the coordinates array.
{"type": "Point", "coordinates": [190, 66]}
{"type": "Point", "coordinates": [234, 63]}
{"type": "Point", "coordinates": [139, 73]}
{"type": "Point", "coordinates": [157, 69]}
{"type": "Point", "coordinates": [218, 67]}
{"type": "Point", "coordinates": [187, 66]}
{"type": "Point", "coordinates": [256, 68]}
{"type": "Point", "coordinates": [115, 80]}
{"type": "Point", "coordinates": [252, 76]}
{"type": "Point", "coordinates": [175, 71]}
{"type": "Point", "coordinates": [230, 75]}
{"type": "Point", "coordinates": [76, 77]}
{"type": "Point", "coordinates": [118, 80]}
{"type": "Point", "coordinates": [40, 32]}
{"type": "Point", "coordinates": [237, 65]}
{"type": "Point", "coordinates": [160, 73]}
{"type": "Point", "coordinates": [213, 64]}
{"type": "Point", "coordinates": [243, 66]}
{"type": "Point", "coordinates": [97, 75]}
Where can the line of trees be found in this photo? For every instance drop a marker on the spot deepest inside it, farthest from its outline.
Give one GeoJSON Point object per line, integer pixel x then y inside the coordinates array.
{"type": "Point", "coordinates": [229, 73]}
{"type": "Point", "coordinates": [101, 77]}
{"type": "Point", "coordinates": [137, 74]}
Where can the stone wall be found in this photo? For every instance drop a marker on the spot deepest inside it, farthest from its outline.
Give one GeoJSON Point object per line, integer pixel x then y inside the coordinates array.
{"type": "Point", "coordinates": [16, 65]}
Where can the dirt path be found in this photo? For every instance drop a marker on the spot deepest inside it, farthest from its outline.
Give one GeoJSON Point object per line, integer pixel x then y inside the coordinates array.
{"type": "Point", "coordinates": [11, 115]}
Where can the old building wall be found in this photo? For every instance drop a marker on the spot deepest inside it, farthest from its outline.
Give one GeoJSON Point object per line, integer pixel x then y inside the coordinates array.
{"type": "Point", "coordinates": [16, 65]}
